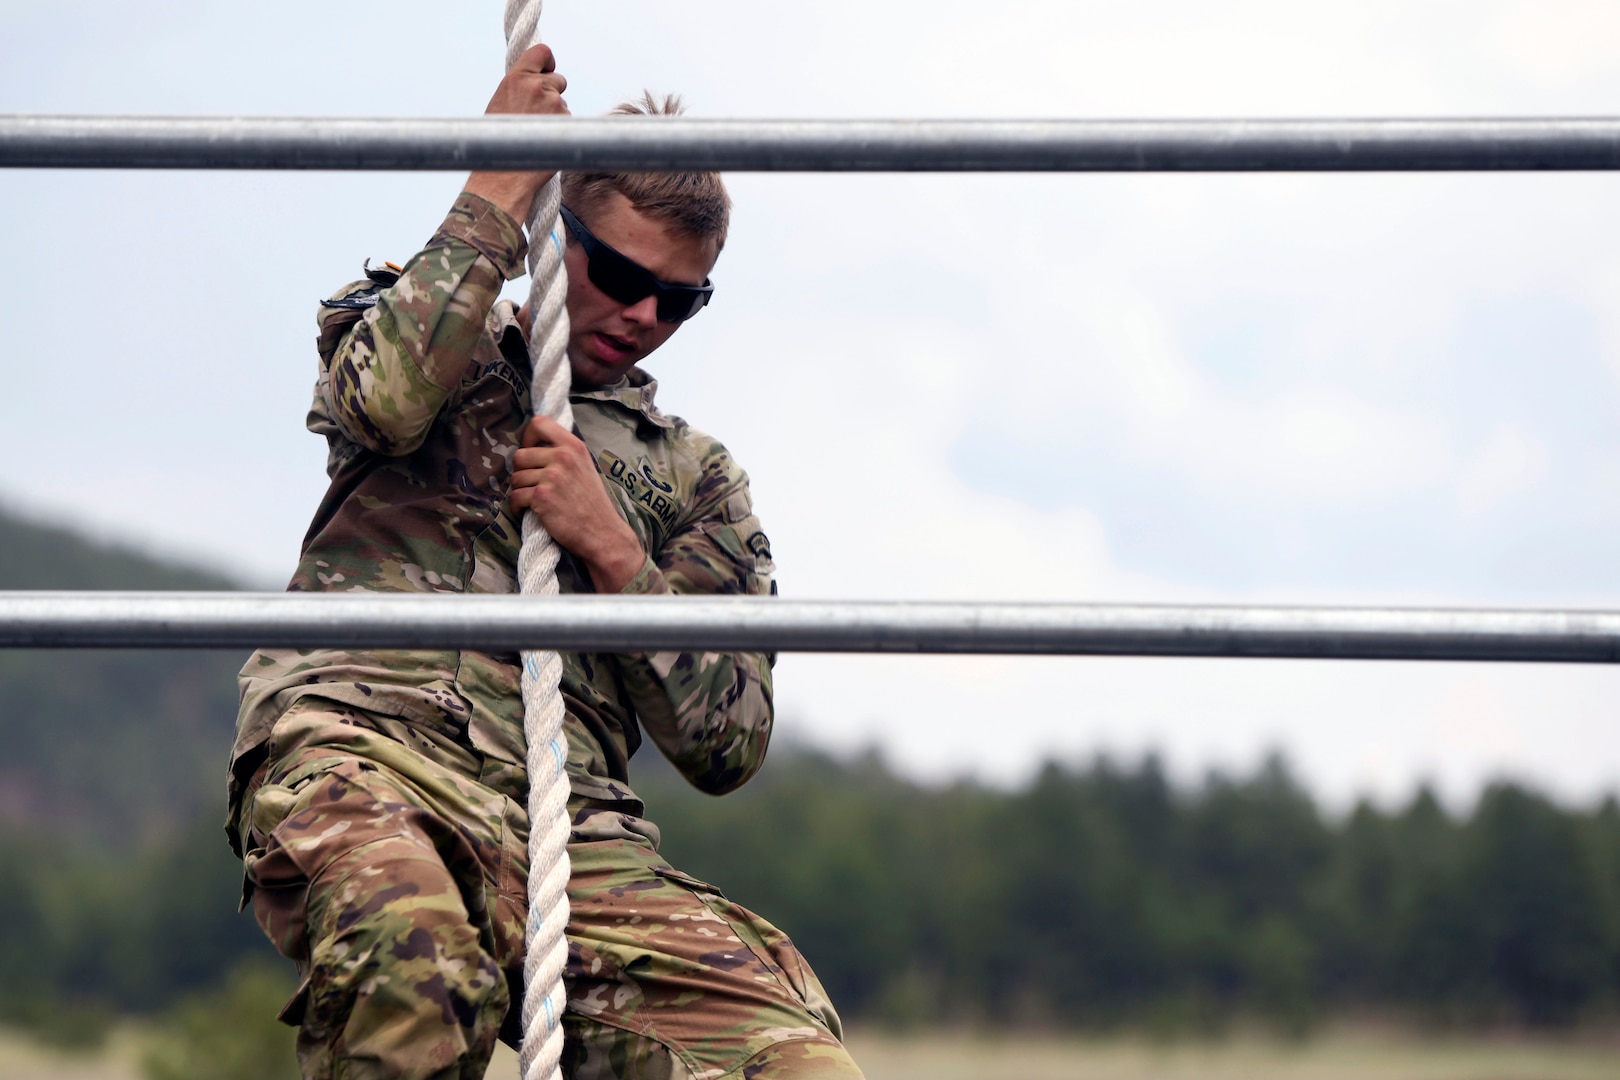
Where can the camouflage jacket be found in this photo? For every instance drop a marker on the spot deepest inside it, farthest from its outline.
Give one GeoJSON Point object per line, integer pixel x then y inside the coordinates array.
{"type": "Point", "coordinates": [422, 395]}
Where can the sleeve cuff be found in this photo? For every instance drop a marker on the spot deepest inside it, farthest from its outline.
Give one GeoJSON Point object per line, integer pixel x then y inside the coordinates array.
{"type": "Point", "coordinates": [485, 227]}
{"type": "Point", "coordinates": [649, 581]}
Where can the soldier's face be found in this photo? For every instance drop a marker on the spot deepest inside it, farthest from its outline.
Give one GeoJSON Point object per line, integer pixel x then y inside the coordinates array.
{"type": "Point", "coordinates": [606, 338]}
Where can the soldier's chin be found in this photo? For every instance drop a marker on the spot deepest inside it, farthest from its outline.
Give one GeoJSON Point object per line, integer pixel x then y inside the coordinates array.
{"type": "Point", "coordinates": [591, 373]}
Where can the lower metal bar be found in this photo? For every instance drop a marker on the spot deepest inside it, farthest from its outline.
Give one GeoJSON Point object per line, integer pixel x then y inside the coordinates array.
{"type": "Point", "coordinates": [507, 142]}
{"type": "Point", "coordinates": [632, 624]}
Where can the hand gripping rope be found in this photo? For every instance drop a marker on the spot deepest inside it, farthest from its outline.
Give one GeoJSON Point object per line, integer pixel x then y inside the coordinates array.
{"type": "Point", "coordinates": [546, 945]}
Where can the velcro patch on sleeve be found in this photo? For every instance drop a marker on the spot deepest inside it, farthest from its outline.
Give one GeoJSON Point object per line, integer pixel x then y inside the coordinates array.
{"type": "Point", "coordinates": [737, 508]}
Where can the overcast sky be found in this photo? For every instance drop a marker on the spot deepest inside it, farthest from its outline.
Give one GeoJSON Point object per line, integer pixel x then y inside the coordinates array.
{"type": "Point", "coordinates": [1353, 388]}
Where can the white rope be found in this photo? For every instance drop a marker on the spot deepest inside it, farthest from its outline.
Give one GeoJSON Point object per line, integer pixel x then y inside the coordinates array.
{"type": "Point", "coordinates": [546, 945]}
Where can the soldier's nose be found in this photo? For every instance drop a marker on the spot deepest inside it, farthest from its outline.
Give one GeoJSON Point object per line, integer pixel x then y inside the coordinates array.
{"type": "Point", "coordinates": [643, 312]}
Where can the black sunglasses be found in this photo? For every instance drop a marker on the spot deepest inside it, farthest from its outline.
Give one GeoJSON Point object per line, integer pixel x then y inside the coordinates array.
{"type": "Point", "coordinates": [628, 282]}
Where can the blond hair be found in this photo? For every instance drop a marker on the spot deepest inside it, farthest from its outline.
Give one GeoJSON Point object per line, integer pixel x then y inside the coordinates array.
{"type": "Point", "coordinates": [694, 203]}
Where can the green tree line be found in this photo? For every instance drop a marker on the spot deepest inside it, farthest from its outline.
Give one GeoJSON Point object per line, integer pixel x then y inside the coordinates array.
{"type": "Point", "coordinates": [1093, 897]}
{"type": "Point", "coordinates": [1102, 895]}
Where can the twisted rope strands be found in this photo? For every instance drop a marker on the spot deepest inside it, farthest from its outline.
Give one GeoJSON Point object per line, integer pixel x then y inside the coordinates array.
{"type": "Point", "coordinates": [546, 946]}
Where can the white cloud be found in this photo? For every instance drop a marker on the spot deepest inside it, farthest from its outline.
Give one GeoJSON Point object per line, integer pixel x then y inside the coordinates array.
{"type": "Point", "coordinates": [1507, 464]}
{"type": "Point", "coordinates": [1127, 369]}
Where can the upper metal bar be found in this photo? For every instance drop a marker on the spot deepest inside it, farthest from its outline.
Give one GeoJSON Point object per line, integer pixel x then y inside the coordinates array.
{"type": "Point", "coordinates": [510, 142]}
{"type": "Point", "coordinates": [632, 624]}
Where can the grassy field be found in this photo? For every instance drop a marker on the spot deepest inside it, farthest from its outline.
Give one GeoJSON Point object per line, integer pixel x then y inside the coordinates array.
{"type": "Point", "coordinates": [1342, 1055]}
{"type": "Point", "coordinates": [1345, 1055]}
{"type": "Point", "coordinates": [22, 1059]}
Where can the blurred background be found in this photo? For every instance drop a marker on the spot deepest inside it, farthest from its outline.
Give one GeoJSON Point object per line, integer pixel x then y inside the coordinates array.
{"type": "Point", "coordinates": [1315, 389]}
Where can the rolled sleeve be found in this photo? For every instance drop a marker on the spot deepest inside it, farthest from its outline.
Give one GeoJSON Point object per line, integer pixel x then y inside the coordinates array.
{"type": "Point", "coordinates": [390, 364]}
{"type": "Point", "coordinates": [489, 230]}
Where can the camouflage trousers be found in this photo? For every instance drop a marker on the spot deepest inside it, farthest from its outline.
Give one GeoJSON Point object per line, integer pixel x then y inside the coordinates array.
{"type": "Point", "coordinates": [399, 893]}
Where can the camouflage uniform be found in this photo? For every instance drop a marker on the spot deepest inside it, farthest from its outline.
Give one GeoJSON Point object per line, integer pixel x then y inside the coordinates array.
{"type": "Point", "coordinates": [378, 798]}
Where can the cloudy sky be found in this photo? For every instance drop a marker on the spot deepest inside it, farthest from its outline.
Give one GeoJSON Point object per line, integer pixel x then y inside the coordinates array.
{"type": "Point", "coordinates": [1346, 389]}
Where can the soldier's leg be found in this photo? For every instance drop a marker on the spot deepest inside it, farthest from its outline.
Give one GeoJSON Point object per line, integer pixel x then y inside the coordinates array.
{"type": "Point", "coordinates": [670, 979]}
{"type": "Point", "coordinates": [802, 1060]}
{"type": "Point", "coordinates": [598, 1051]}
{"type": "Point", "coordinates": [381, 904]}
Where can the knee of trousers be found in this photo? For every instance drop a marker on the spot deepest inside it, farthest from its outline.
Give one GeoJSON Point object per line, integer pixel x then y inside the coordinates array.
{"type": "Point", "coordinates": [822, 1058]}
{"type": "Point", "coordinates": [400, 982]}
{"type": "Point", "coordinates": [596, 1051]}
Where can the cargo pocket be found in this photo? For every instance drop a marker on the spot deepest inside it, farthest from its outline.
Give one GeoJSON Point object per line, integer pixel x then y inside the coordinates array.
{"type": "Point", "coordinates": [308, 820]}
{"type": "Point", "coordinates": [768, 945]}
{"type": "Point", "coordinates": [272, 880]}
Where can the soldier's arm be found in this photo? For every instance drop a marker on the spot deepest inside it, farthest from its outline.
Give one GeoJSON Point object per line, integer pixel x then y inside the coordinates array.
{"type": "Point", "coordinates": [385, 375]}
{"type": "Point", "coordinates": [391, 356]}
{"type": "Point", "coordinates": [710, 713]}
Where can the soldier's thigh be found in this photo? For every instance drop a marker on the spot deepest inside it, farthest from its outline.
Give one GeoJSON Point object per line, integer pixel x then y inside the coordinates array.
{"type": "Point", "coordinates": [368, 893]}
{"type": "Point", "coordinates": [669, 978]}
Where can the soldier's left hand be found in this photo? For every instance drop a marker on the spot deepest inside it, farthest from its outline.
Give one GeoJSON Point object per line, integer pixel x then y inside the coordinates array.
{"type": "Point", "coordinates": [554, 475]}
{"type": "Point", "coordinates": [533, 87]}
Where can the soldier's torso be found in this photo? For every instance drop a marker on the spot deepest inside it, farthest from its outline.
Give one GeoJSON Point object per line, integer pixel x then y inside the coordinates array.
{"type": "Point", "coordinates": [437, 520]}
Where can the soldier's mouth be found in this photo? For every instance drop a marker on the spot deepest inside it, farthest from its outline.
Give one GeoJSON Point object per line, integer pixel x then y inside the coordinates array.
{"type": "Point", "coordinates": [612, 343]}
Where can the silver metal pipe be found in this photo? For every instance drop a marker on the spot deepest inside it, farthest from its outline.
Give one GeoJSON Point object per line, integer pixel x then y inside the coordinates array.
{"type": "Point", "coordinates": [506, 142]}
{"type": "Point", "coordinates": [628, 624]}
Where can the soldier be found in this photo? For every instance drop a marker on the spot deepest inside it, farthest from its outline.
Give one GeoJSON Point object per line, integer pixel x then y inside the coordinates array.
{"type": "Point", "coordinates": [378, 798]}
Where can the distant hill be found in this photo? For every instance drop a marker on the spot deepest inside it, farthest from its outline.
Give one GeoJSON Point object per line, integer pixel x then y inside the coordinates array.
{"type": "Point", "coordinates": [109, 745]}
{"type": "Point", "coordinates": [39, 556]}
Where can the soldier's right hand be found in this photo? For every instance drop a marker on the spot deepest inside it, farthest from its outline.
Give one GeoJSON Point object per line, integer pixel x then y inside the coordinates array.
{"type": "Point", "coordinates": [533, 87]}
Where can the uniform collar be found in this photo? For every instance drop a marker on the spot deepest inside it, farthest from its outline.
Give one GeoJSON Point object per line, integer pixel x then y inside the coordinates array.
{"type": "Point", "coordinates": [635, 391]}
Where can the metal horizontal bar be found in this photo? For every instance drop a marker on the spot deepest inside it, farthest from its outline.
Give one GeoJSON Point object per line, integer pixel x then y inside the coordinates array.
{"type": "Point", "coordinates": [627, 624]}
{"type": "Point", "coordinates": [511, 142]}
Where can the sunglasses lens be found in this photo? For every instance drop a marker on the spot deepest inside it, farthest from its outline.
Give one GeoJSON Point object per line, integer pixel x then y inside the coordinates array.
{"type": "Point", "coordinates": [678, 305]}
{"type": "Point", "coordinates": [619, 277]}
